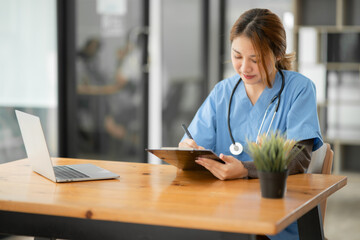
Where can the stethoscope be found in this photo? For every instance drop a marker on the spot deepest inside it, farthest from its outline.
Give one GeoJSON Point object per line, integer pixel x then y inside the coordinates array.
{"type": "Point", "coordinates": [237, 148]}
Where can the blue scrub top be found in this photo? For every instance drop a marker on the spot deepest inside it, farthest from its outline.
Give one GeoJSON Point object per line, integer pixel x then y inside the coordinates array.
{"type": "Point", "coordinates": [296, 116]}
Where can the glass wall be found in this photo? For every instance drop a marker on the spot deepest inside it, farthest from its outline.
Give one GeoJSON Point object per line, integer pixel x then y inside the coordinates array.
{"type": "Point", "coordinates": [28, 71]}
{"type": "Point", "coordinates": [182, 52]}
{"type": "Point", "coordinates": [110, 84]}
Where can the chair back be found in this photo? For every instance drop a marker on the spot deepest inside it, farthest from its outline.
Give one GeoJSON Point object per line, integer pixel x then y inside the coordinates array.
{"type": "Point", "coordinates": [321, 163]}
{"type": "Point", "coordinates": [321, 160]}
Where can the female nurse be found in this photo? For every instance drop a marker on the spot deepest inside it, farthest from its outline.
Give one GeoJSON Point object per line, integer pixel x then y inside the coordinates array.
{"type": "Point", "coordinates": [258, 55]}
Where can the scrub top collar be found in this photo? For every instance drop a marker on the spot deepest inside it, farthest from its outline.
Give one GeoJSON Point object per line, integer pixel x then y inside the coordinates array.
{"type": "Point", "coordinates": [265, 97]}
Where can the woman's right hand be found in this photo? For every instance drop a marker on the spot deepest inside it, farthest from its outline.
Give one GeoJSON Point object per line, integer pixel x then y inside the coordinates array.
{"type": "Point", "coordinates": [189, 143]}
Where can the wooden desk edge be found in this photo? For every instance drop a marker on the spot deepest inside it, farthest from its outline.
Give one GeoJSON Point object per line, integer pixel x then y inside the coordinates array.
{"type": "Point", "coordinates": [300, 211]}
{"type": "Point", "coordinates": [306, 207]}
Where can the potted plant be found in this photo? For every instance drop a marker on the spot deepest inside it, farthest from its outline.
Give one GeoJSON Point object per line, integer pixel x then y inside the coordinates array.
{"type": "Point", "coordinates": [272, 156]}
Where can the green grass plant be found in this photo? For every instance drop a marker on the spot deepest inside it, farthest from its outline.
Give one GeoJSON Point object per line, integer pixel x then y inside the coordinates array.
{"type": "Point", "coordinates": [273, 153]}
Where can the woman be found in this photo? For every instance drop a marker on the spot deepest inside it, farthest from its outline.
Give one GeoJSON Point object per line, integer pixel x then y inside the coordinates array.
{"type": "Point", "coordinates": [258, 55]}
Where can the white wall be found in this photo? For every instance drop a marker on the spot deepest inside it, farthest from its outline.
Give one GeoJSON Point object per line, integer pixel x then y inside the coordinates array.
{"type": "Point", "coordinates": [28, 50]}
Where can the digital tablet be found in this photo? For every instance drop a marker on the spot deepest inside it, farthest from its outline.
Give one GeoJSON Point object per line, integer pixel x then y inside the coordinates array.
{"type": "Point", "coordinates": [184, 158]}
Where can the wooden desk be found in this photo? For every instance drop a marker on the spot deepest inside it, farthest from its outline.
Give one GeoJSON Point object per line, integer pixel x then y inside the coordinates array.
{"type": "Point", "coordinates": [155, 201]}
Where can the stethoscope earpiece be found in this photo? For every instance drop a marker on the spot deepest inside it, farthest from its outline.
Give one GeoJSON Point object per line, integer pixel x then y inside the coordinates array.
{"type": "Point", "coordinates": [236, 149]}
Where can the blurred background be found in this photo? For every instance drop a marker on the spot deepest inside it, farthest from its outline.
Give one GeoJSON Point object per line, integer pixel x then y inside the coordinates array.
{"type": "Point", "coordinates": [110, 78]}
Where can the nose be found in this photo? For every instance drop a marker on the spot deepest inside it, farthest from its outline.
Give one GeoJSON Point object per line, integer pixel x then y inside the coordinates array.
{"type": "Point", "coordinates": [245, 66]}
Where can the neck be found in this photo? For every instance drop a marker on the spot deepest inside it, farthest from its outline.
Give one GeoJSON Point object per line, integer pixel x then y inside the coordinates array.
{"type": "Point", "coordinates": [254, 92]}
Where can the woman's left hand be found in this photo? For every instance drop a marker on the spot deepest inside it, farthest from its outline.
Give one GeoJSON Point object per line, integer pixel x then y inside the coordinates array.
{"type": "Point", "coordinates": [232, 169]}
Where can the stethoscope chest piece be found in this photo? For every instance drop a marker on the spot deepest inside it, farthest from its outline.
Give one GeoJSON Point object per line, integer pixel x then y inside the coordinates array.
{"type": "Point", "coordinates": [236, 149]}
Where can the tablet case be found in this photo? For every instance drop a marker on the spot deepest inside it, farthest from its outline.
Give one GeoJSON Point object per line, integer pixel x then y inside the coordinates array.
{"type": "Point", "coordinates": [184, 158]}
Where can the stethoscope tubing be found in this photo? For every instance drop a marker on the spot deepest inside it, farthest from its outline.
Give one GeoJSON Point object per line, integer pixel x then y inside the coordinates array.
{"type": "Point", "coordinates": [229, 108]}
{"type": "Point", "coordinates": [266, 112]}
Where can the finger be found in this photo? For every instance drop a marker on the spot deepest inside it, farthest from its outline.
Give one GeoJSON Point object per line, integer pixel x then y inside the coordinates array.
{"type": "Point", "coordinates": [210, 162]}
{"type": "Point", "coordinates": [210, 167]}
{"type": "Point", "coordinates": [189, 143]}
{"type": "Point", "coordinates": [214, 166]}
{"type": "Point", "coordinates": [227, 158]}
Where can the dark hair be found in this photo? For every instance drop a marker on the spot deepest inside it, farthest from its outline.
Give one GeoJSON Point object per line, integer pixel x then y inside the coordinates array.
{"type": "Point", "coordinates": [91, 46]}
{"type": "Point", "coordinates": [268, 37]}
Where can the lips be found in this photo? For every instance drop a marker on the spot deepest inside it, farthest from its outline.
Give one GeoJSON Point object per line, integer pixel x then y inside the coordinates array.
{"type": "Point", "coordinates": [248, 76]}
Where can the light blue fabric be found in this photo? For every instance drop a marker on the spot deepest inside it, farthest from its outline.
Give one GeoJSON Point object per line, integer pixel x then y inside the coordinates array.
{"type": "Point", "coordinates": [296, 116]}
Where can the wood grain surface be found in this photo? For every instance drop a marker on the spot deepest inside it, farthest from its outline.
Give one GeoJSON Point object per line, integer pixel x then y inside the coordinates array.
{"type": "Point", "coordinates": [164, 195]}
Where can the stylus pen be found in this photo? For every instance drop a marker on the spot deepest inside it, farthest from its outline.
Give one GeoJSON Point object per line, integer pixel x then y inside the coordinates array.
{"type": "Point", "coordinates": [187, 131]}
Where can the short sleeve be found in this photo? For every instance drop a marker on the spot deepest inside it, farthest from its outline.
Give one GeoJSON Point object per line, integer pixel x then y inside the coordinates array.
{"type": "Point", "coordinates": [302, 119]}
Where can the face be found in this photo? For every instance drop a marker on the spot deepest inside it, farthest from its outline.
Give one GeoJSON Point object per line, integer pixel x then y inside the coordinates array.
{"type": "Point", "coordinates": [93, 47]}
{"type": "Point", "coordinates": [245, 61]}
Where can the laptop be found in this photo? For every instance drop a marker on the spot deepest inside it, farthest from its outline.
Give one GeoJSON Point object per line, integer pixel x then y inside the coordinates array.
{"type": "Point", "coordinates": [39, 157]}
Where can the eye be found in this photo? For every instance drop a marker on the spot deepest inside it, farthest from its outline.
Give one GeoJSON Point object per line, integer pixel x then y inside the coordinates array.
{"type": "Point", "coordinates": [236, 56]}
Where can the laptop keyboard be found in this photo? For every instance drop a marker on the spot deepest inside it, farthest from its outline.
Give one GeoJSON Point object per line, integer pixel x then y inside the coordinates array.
{"type": "Point", "coordinates": [65, 172]}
